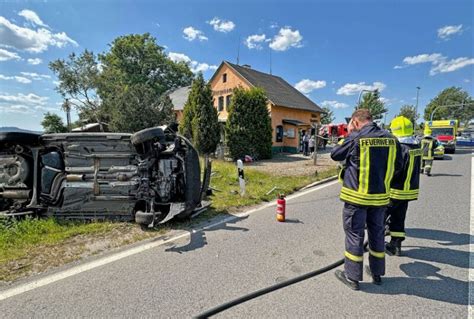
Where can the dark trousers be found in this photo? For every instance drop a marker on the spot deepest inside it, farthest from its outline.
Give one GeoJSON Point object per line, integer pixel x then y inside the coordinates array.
{"type": "Point", "coordinates": [397, 212]}
{"type": "Point", "coordinates": [354, 220]}
{"type": "Point", "coordinates": [305, 148]}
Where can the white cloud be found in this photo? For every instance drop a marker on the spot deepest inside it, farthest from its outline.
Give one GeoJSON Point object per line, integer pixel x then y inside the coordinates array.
{"type": "Point", "coordinates": [467, 80]}
{"type": "Point", "coordinates": [179, 57]}
{"type": "Point", "coordinates": [355, 88]}
{"type": "Point", "coordinates": [36, 76]}
{"type": "Point", "coordinates": [255, 41]}
{"type": "Point", "coordinates": [334, 104]}
{"type": "Point", "coordinates": [306, 86]}
{"type": "Point", "coordinates": [28, 99]}
{"type": "Point", "coordinates": [222, 25]}
{"type": "Point", "coordinates": [30, 40]}
{"type": "Point", "coordinates": [19, 79]}
{"type": "Point", "coordinates": [385, 100]}
{"type": "Point", "coordinates": [447, 31]}
{"type": "Point", "coordinates": [201, 67]}
{"type": "Point", "coordinates": [285, 39]}
{"type": "Point", "coordinates": [192, 34]}
{"type": "Point", "coordinates": [15, 108]}
{"type": "Point", "coordinates": [35, 61]}
{"type": "Point", "coordinates": [195, 66]}
{"type": "Point", "coordinates": [32, 17]}
{"type": "Point", "coordinates": [423, 58]}
{"type": "Point", "coordinates": [6, 55]}
{"type": "Point", "coordinates": [439, 63]}
{"type": "Point", "coordinates": [451, 65]}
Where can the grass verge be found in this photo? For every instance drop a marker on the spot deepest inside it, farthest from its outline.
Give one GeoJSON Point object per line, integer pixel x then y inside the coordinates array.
{"type": "Point", "coordinates": [34, 245]}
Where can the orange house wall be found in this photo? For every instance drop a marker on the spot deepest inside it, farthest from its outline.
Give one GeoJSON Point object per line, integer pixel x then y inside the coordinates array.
{"type": "Point", "coordinates": [277, 113]}
{"type": "Point", "coordinates": [233, 81]}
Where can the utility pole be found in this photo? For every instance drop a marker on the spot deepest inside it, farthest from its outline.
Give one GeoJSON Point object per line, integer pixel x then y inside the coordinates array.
{"type": "Point", "coordinates": [416, 108]}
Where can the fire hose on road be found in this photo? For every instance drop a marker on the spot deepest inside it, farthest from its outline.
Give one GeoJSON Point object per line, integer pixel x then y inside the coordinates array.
{"type": "Point", "coordinates": [261, 292]}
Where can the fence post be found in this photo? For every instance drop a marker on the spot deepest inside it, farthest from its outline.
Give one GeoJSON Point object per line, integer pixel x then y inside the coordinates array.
{"type": "Point", "coordinates": [240, 171]}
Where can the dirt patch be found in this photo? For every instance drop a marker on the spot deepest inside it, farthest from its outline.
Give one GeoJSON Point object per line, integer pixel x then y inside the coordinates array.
{"type": "Point", "coordinates": [294, 164]}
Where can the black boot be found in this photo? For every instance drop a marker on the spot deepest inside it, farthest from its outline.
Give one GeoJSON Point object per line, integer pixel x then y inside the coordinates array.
{"type": "Point", "coordinates": [394, 247]}
{"type": "Point", "coordinates": [341, 275]}
{"type": "Point", "coordinates": [376, 279]}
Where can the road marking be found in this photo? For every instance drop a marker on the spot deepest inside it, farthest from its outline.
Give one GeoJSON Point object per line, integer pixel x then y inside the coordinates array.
{"type": "Point", "coordinates": [136, 250]}
{"type": "Point", "coordinates": [471, 250]}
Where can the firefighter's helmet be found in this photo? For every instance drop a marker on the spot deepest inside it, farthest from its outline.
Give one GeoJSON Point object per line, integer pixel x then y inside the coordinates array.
{"type": "Point", "coordinates": [401, 127]}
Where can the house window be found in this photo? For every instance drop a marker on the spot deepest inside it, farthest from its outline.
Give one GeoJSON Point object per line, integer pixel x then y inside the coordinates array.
{"type": "Point", "coordinates": [224, 77]}
{"type": "Point", "coordinates": [220, 104]}
{"type": "Point", "coordinates": [227, 102]}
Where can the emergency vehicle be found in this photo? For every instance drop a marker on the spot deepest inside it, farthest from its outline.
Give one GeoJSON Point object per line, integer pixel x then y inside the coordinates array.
{"type": "Point", "coordinates": [445, 132]}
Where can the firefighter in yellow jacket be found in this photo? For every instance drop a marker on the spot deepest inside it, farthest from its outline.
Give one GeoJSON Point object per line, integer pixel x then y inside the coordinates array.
{"type": "Point", "coordinates": [428, 145]}
{"type": "Point", "coordinates": [371, 159]}
{"type": "Point", "coordinates": [405, 183]}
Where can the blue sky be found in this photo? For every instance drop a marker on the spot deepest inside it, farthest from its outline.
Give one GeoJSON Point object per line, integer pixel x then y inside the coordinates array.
{"type": "Point", "coordinates": [327, 49]}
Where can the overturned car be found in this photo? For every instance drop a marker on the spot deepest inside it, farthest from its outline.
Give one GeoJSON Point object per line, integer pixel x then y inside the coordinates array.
{"type": "Point", "coordinates": [150, 176]}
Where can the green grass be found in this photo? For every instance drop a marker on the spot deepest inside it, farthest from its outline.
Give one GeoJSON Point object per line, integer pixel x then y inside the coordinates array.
{"type": "Point", "coordinates": [17, 238]}
{"type": "Point", "coordinates": [258, 184]}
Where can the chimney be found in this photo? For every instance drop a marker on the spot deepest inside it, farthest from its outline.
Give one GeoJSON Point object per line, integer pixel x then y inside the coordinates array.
{"type": "Point", "coordinates": [248, 66]}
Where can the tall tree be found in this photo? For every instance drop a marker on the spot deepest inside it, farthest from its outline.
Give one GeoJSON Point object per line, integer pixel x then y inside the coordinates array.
{"type": "Point", "coordinates": [373, 103]}
{"type": "Point", "coordinates": [327, 117]}
{"type": "Point", "coordinates": [248, 127]}
{"type": "Point", "coordinates": [409, 111]}
{"type": "Point", "coordinates": [78, 80]}
{"type": "Point", "coordinates": [451, 103]}
{"type": "Point", "coordinates": [138, 107]}
{"type": "Point", "coordinates": [136, 64]}
{"type": "Point", "coordinates": [53, 123]}
{"type": "Point", "coordinates": [200, 122]}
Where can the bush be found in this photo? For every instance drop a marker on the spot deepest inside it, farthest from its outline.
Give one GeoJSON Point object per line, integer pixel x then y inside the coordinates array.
{"type": "Point", "coordinates": [248, 127]}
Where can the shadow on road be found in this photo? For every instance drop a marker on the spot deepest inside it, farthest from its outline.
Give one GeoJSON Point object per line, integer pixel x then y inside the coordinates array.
{"type": "Point", "coordinates": [457, 258]}
{"type": "Point", "coordinates": [198, 239]}
{"type": "Point", "coordinates": [464, 150]}
{"type": "Point", "coordinates": [444, 238]}
{"type": "Point", "coordinates": [423, 281]}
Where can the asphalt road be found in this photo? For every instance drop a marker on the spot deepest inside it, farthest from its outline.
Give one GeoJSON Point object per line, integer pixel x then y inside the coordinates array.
{"type": "Point", "coordinates": [186, 277]}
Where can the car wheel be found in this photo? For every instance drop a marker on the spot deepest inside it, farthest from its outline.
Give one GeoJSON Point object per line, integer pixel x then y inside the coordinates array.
{"type": "Point", "coordinates": [143, 219]}
{"type": "Point", "coordinates": [147, 135]}
{"type": "Point", "coordinates": [20, 138]}
{"type": "Point", "coordinates": [193, 183]}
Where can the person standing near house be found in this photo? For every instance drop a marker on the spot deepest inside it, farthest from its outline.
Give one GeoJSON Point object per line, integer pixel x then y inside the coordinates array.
{"type": "Point", "coordinates": [305, 143]}
{"type": "Point", "coordinates": [311, 145]}
{"type": "Point", "coordinates": [372, 157]}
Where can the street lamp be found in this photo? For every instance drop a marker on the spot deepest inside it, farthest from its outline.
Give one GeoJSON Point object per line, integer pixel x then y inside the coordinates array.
{"type": "Point", "coordinates": [362, 91]}
{"type": "Point", "coordinates": [416, 108]}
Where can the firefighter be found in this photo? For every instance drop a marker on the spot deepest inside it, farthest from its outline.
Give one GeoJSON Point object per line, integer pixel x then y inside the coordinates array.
{"type": "Point", "coordinates": [405, 183]}
{"type": "Point", "coordinates": [428, 145]}
{"type": "Point", "coordinates": [371, 157]}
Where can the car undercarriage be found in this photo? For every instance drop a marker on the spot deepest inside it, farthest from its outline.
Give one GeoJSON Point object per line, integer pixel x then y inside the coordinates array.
{"type": "Point", "coordinates": [150, 176]}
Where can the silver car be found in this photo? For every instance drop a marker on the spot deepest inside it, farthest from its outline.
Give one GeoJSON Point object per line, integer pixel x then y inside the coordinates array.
{"type": "Point", "coordinates": [150, 176]}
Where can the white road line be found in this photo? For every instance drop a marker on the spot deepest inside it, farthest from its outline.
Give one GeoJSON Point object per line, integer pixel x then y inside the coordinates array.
{"type": "Point", "coordinates": [135, 250]}
{"type": "Point", "coordinates": [471, 250]}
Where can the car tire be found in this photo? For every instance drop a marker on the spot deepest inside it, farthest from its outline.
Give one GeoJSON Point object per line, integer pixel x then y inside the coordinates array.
{"type": "Point", "coordinates": [193, 184]}
{"type": "Point", "coordinates": [24, 138]}
{"type": "Point", "coordinates": [147, 135]}
{"type": "Point", "coordinates": [143, 219]}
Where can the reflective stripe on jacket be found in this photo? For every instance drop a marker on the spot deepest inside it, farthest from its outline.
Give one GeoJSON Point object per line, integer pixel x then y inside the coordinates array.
{"type": "Point", "coordinates": [427, 147]}
{"type": "Point", "coordinates": [372, 157]}
{"type": "Point", "coordinates": [405, 184]}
